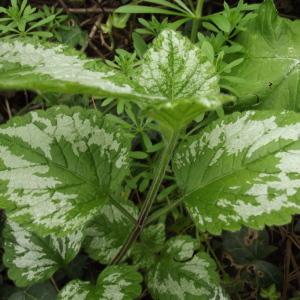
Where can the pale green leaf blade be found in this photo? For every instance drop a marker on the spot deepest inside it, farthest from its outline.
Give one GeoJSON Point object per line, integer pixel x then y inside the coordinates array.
{"type": "Point", "coordinates": [114, 283]}
{"type": "Point", "coordinates": [181, 274]}
{"type": "Point", "coordinates": [58, 167]}
{"type": "Point", "coordinates": [55, 68]}
{"type": "Point", "coordinates": [77, 290]}
{"type": "Point", "coordinates": [31, 258]}
{"type": "Point", "coordinates": [175, 70]}
{"type": "Point", "coordinates": [108, 232]}
{"type": "Point", "coordinates": [271, 67]}
{"type": "Point", "coordinates": [242, 170]}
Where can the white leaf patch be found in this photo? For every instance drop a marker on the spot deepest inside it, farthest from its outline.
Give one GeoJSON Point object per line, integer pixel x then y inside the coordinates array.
{"type": "Point", "coordinates": [242, 170]}
{"type": "Point", "coordinates": [76, 290]}
{"type": "Point", "coordinates": [57, 167]}
{"type": "Point", "coordinates": [31, 259]}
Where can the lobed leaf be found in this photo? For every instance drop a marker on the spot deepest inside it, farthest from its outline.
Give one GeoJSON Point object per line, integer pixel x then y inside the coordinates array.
{"type": "Point", "coordinates": [58, 167]}
{"type": "Point", "coordinates": [114, 283]}
{"type": "Point", "coordinates": [242, 170]}
{"type": "Point", "coordinates": [270, 70]}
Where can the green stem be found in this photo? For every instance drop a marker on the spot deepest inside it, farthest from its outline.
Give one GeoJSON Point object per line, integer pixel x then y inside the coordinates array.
{"type": "Point", "coordinates": [160, 212]}
{"type": "Point", "coordinates": [196, 21]}
{"type": "Point", "coordinates": [159, 172]}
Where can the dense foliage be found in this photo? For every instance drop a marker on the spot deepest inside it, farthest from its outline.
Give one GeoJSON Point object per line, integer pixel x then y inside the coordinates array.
{"type": "Point", "coordinates": [197, 134]}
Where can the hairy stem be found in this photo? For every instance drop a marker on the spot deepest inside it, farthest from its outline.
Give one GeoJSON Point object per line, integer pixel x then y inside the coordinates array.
{"type": "Point", "coordinates": [196, 21]}
{"type": "Point", "coordinates": [159, 174]}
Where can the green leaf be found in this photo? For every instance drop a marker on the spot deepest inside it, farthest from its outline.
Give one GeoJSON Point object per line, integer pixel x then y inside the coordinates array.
{"type": "Point", "coordinates": [242, 170]}
{"type": "Point", "coordinates": [41, 291]}
{"type": "Point", "coordinates": [114, 283]}
{"type": "Point", "coordinates": [175, 71]}
{"type": "Point", "coordinates": [57, 167]}
{"type": "Point", "coordinates": [106, 235]}
{"type": "Point", "coordinates": [56, 68]}
{"type": "Point", "coordinates": [151, 242]}
{"type": "Point", "coordinates": [32, 259]}
{"type": "Point", "coordinates": [179, 274]}
{"type": "Point", "coordinates": [77, 289]}
{"type": "Point", "coordinates": [271, 67]}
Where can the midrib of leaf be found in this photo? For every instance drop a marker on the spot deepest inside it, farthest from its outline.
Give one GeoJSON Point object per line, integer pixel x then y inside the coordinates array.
{"type": "Point", "coordinates": [244, 167]}
{"type": "Point", "coordinates": [50, 252]}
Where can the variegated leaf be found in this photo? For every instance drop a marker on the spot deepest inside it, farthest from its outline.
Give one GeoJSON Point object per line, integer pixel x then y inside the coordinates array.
{"type": "Point", "coordinates": [270, 71]}
{"type": "Point", "coordinates": [58, 167]}
{"type": "Point", "coordinates": [174, 69]}
{"type": "Point", "coordinates": [151, 242]}
{"type": "Point", "coordinates": [114, 283]}
{"type": "Point", "coordinates": [181, 274]}
{"type": "Point", "coordinates": [77, 290]}
{"type": "Point", "coordinates": [31, 258]}
{"type": "Point", "coordinates": [106, 235]}
{"type": "Point", "coordinates": [242, 170]}
{"type": "Point", "coordinates": [25, 64]}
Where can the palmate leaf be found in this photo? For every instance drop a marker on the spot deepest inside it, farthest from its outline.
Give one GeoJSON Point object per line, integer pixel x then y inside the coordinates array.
{"type": "Point", "coordinates": [32, 259]}
{"type": "Point", "coordinates": [106, 235]}
{"type": "Point", "coordinates": [114, 283]}
{"type": "Point", "coordinates": [242, 170]}
{"type": "Point", "coordinates": [186, 82]}
{"type": "Point", "coordinates": [24, 64]}
{"type": "Point", "coordinates": [58, 167]}
{"type": "Point", "coordinates": [270, 71]}
{"type": "Point", "coordinates": [179, 274]}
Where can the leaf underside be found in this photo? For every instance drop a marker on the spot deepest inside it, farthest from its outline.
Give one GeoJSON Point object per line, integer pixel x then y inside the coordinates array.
{"type": "Point", "coordinates": [57, 167]}
{"type": "Point", "coordinates": [270, 71]}
{"type": "Point", "coordinates": [242, 170]}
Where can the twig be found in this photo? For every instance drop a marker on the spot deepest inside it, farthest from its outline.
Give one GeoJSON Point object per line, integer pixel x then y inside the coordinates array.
{"type": "Point", "coordinates": [94, 47]}
{"type": "Point", "coordinates": [54, 284]}
{"type": "Point", "coordinates": [65, 7]}
{"type": "Point", "coordinates": [90, 10]}
{"type": "Point", "coordinates": [93, 31]}
{"type": "Point", "coordinates": [287, 261]}
{"type": "Point", "coordinates": [8, 108]}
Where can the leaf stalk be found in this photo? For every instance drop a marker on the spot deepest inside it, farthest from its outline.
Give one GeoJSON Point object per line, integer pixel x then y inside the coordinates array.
{"type": "Point", "coordinates": [196, 21]}
{"type": "Point", "coordinates": [160, 170]}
